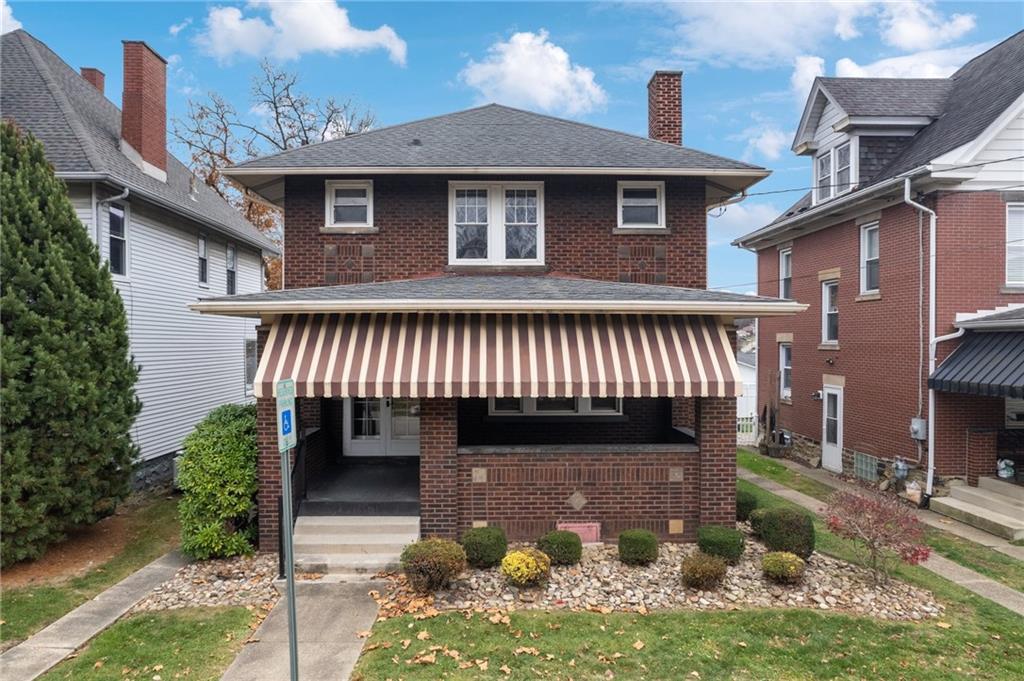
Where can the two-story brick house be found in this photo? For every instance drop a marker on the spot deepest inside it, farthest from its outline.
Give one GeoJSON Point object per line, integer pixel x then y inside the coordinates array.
{"type": "Point", "coordinates": [916, 220]}
{"type": "Point", "coordinates": [520, 302]}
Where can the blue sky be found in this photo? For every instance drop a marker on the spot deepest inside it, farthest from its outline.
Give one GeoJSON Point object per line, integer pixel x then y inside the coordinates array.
{"type": "Point", "coordinates": [747, 65]}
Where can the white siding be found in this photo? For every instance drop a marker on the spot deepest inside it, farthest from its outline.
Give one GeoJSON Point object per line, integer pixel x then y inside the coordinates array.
{"type": "Point", "coordinates": [81, 199]}
{"type": "Point", "coordinates": [1008, 143]}
{"type": "Point", "coordinates": [825, 136]}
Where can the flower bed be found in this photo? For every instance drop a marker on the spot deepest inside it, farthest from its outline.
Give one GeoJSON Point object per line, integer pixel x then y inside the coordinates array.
{"type": "Point", "coordinates": [243, 580]}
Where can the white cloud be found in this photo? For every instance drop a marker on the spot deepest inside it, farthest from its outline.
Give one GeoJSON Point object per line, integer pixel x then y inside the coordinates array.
{"type": "Point", "coordinates": [927, 64]}
{"type": "Point", "coordinates": [805, 69]}
{"type": "Point", "coordinates": [730, 222]}
{"type": "Point", "coordinates": [175, 29]}
{"type": "Point", "coordinates": [529, 70]}
{"type": "Point", "coordinates": [764, 138]}
{"type": "Point", "coordinates": [294, 28]}
{"type": "Point", "coordinates": [7, 21]}
{"type": "Point", "coordinates": [919, 26]}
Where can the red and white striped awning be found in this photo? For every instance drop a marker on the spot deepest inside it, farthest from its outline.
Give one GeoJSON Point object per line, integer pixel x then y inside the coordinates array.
{"type": "Point", "coordinates": [499, 355]}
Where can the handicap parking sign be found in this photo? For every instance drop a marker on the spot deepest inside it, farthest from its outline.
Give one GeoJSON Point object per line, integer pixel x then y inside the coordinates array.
{"type": "Point", "coordinates": [286, 438]}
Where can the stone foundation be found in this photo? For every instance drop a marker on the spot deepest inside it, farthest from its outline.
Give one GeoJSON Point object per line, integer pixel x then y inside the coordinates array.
{"type": "Point", "coordinates": [153, 473]}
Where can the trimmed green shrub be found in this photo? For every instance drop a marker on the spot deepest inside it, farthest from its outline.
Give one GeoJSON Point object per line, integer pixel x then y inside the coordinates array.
{"type": "Point", "coordinates": [218, 478]}
{"type": "Point", "coordinates": [67, 378]}
{"type": "Point", "coordinates": [484, 546]}
{"type": "Point", "coordinates": [701, 571]}
{"type": "Point", "coordinates": [756, 519]}
{"type": "Point", "coordinates": [638, 547]}
{"type": "Point", "coordinates": [564, 547]}
{"type": "Point", "coordinates": [788, 529]}
{"type": "Point", "coordinates": [526, 567]}
{"type": "Point", "coordinates": [431, 564]}
{"type": "Point", "coordinates": [783, 567]}
{"type": "Point", "coordinates": [745, 503]}
{"type": "Point", "coordinates": [724, 542]}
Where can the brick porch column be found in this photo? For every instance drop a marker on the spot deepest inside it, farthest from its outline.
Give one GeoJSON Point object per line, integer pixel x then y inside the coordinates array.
{"type": "Point", "coordinates": [716, 435]}
{"type": "Point", "coordinates": [981, 454]}
{"type": "Point", "coordinates": [268, 466]}
{"type": "Point", "coordinates": [439, 511]}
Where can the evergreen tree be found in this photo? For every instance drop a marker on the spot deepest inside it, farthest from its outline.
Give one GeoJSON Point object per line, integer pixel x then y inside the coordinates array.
{"type": "Point", "coordinates": [66, 375]}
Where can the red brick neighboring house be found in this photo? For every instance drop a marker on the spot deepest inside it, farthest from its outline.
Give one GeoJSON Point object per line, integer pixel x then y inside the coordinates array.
{"type": "Point", "coordinates": [520, 302]}
{"type": "Point", "coordinates": [916, 221]}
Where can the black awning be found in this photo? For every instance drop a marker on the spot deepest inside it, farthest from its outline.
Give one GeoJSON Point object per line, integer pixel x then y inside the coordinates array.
{"type": "Point", "coordinates": [990, 364]}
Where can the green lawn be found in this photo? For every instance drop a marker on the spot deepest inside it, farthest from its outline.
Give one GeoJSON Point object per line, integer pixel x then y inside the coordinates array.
{"type": "Point", "coordinates": [993, 564]}
{"type": "Point", "coordinates": [154, 531]}
{"type": "Point", "coordinates": [192, 643]}
{"type": "Point", "coordinates": [982, 640]}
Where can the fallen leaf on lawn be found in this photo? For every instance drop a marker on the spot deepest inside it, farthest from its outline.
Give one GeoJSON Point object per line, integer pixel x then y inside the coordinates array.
{"type": "Point", "coordinates": [638, 645]}
{"type": "Point", "coordinates": [99, 663]}
{"type": "Point", "coordinates": [482, 664]}
{"type": "Point", "coordinates": [363, 634]}
{"type": "Point", "coordinates": [741, 644]}
{"type": "Point", "coordinates": [616, 656]}
{"type": "Point", "coordinates": [405, 643]}
{"type": "Point", "coordinates": [521, 650]}
{"type": "Point", "coordinates": [997, 637]}
{"type": "Point", "coordinates": [498, 618]}
{"type": "Point", "coordinates": [384, 645]}
{"type": "Point", "coordinates": [429, 658]}
{"type": "Point", "coordinates": [943, 625]}
{"type": "Point", "coordinates": [157, 667]}
{"type": "Point", "coordinates": [504, 668]}
{"type": "Point", "coordinates": [572, 662]}
{"type": "Point", "coordinates": [423, 635]}
{"type": "Point", "coordinates": [465, 665]}
{"type": "Point", "coordinates": [454, 654]}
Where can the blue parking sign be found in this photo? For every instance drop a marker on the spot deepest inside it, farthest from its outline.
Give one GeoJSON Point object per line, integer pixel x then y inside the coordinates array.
{"type": "Point", "coordinates": [286, 438]}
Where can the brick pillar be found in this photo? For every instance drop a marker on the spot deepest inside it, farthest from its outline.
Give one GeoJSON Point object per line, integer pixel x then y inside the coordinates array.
{"type": "Point", "coordinates": [439, 512]}
{"type": "Point", "coordinates": [268, 463]}
{"type": "Point", "coordinates": [981, 454]}
{"type": "Point", "coordinates": [684, 412]}
{"type": "Point", "coordinates": [716, 435]}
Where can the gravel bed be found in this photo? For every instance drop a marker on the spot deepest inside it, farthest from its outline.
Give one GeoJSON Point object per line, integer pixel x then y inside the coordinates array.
{"type": "Point", "coordinates": [244, 580]}
{"type": "Point", "coordinates": [600, 582]}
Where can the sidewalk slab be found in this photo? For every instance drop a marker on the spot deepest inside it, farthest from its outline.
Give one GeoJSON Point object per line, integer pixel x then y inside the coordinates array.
{"type": "Point", "coordinates": [330, 615]}
{"type": "Point", "coordinates": [35, 655]}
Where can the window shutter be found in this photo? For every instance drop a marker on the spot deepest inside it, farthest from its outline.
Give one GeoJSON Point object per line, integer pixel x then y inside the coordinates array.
{"type": "Point", "coordinates": [1015, 243]}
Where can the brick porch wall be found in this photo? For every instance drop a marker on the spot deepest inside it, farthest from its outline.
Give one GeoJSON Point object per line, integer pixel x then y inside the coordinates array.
{"type": "Point", "coordinates": [958, 419]}
{"type": "Point", "coordinates": [716, 435]}
{"type": "Point", "coordinates": [438, 465]}
{"type": "Point", "coordinates": [981, 454]}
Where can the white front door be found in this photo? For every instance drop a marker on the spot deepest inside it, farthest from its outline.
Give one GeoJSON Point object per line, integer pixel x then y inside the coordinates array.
{"type": "Point", "coordinates": [832, 429]}
{"type": "Point", "coordinates": [382, 427]}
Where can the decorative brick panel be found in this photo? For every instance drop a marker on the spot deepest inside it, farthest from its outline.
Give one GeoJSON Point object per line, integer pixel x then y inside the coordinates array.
{"type": "Point", "coordinates": [144, 104]}
{"type": "Point", "coordinates": [439, 503]}
{"type": "Point", "coordinates": [348, 263]}
{"type": "Point", "coordinates": [716, 432]}
{"type": "Point", "coordinates": [642, 264]}
{"type": "Point", "coordinates": [665, 107]}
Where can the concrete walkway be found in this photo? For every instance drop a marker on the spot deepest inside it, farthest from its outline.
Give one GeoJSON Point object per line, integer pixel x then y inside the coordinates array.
{"type": "Point", "coordinates": [1000, 594]}
{"type": "Point", "coordinates": [33, 656]}
{"type": "Point", "coordinates": [330, 614]}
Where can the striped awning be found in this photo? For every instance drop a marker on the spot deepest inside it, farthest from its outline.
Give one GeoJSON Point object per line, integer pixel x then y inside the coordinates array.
{"type": "Point", "coordinates": [499, 355]}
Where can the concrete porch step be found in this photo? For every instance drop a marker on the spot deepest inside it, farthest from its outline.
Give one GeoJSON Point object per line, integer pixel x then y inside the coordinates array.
{"type": "Point", "coordinates": [358, 508]}
{"type": "Point", "coordinates": [352, 545]}
{"type": "Point", "coordinates": [359, 544]}
{"type": "Point", "coordinates": [1008, 527]}
{"type": "Point", "coordinates": [357, 525]}
{"type": "Point", "coordinates": [1007, 489]}
{"type": "Point", "coordinates": [363, 564]}
{"type": "Point", "coordinates": [993, 501]}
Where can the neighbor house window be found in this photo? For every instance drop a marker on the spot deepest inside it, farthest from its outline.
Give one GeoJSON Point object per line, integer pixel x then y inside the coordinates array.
{"type": "Point", "coordinates": [869, 258]}
{"type": "Point", "coordinates": [204, 263]}
{"type": "Point", "coordinates": [349, 204]}
{"type": "Point", "coordinates": [785, 273]}
{"type": "Point", "coordinates": [833, 172]}
{"type": "Point", "coordinates": [841, 160]}
{"type": "Point", "coordinates": [231, 258]}
{"type": "Point", "coordinates": [555, 406]}
{"type": "Point", "coordinates": [785, 371]}
{"type": "Point", "coordinates": [823, 184]}
{"type": "Point", "coordinates": [641, 205]}
{"type": "Point", "coordinates": [1015, 244]}
{"type": "Point", "coordinates": [830, 312]}
{"type": "Point", "coordinates": [251, 362]}
{"type": "Point", "coordinates": [118, 239]}
{"type": "Point", "coordinates": [496, 224]}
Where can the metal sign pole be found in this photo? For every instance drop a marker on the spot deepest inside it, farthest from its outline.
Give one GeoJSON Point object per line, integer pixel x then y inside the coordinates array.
{"type": "Point", "coordinates": [286, 437]}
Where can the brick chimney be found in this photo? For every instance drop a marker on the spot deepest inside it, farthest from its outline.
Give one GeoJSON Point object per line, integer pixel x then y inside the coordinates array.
{"type": "Point", "coordinates": [94, 76]}
{"type": "Point", "coordinates": [144, 107]}
{"type": "Point", "coordinates": [665, 107]}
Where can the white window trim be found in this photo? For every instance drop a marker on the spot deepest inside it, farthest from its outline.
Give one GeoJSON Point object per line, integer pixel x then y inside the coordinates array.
{"type": "Point", "coordinates": [782, 253]}
{"type": "Point", "coordinates": [864, 229]}
{"type": "Point", "coordinates": [1006, 246]}
{"type": "Point", "coordinates": [832, 152]}
{"type": "Point", "coordinates": [127, 244]}
{"type": "Point", "coordinates": [640, 184]}
{"type": "Point", "coordinates": [784, 394]}
{"type": "Point", "coordinates": [824, 312]}
{"type": "Point", "coordinates": [528, 407]}
{"type": "Point", "coordinates": [329, 187]}
{"type": "Point", "coordinates": [495, 223]}
{"type": "Point", "coordinates": [202, 238]}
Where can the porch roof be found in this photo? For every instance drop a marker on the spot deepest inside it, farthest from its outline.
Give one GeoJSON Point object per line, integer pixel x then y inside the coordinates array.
{"type": "Point", "coordinates": [989, 363]}
{"type": "Point", "coordinates": [498, 355]}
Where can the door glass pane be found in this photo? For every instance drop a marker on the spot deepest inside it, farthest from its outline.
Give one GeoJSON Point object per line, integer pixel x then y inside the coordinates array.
{"type": "Point", "coordinates": [405, 419]}
{"type": "Point", "coordinates": [831, 430]}
{"type": "Point", "coordinates": [831, 418]}
{"type": "Point", "coordinates": [366, 414]}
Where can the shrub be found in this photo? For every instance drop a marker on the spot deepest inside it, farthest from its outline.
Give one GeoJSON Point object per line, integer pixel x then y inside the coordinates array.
{"type": "Point", "coordinates": [526, 567]}
{"type": "Point", "coordinates": [431, 564]}
{"type": "Point", "coordinates": [788, 529]}
{"type": "Point", "coordinates": [884, 530]}
{"type": "Point", "coordinates": [638, 547]}
{"type": "Point", "coordinates": [783, 567]}
{"type": "Point", "coordinates": [485, 546]}
{"type": "Point", "coordinates": [724, 542]}
{"type": "Point", "coordinates": [757, 520]}
{"type": "Point", "coordinates": [218, 478]}
{"type": "Point", "coordinates": [564, 547]}
{"type": "Point", "coordinates": [67, 379]}
{"type": "Point", "coordinates": [701, 571]}
{"type": "Point", "coordinates": [745, 503]}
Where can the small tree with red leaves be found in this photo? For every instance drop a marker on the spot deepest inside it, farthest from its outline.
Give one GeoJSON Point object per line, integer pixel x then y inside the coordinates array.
{"type": "Point", "coordinates": [883, 528]}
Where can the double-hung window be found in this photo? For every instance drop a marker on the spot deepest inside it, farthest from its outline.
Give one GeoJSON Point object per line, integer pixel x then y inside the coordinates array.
{"type": "Point", "coordinates": [869, 258]}
{"type": "Point", "coordinates": [231, 260]}
{"type": "Point", "coordinates": [204, 263]}
{"type": "Point", "coordinates": [117, 230]}
{"type": "Point", "coordinates": [496, 224]}
{"type": "Point", "coordinates": [349, 204]}
{"type": "Point", "coordinates": [830, 312]}
{"type": "Point", "coordinates": [555, 406]}
{"type": "Point", "coordinates": [641, 205]}
{"type": "Point", "coordinates": [786, 273]}
{"type": "Point", "coordinates": [785, 371]}
{"type": "Point", "coordinates": [251, 362]}
{"type": "Point", "coordinates": [833, 172]}
{"type": "Point", "coordinates": [1015, 244]}
{"type": "Point", "coordinates": [823, 183]}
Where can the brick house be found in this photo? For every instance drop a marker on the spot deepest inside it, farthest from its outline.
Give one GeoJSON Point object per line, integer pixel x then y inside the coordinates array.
{"type": "Point", "coordinates": [915, 224]}
{"type": "Point", "coordinates": [495, 317]}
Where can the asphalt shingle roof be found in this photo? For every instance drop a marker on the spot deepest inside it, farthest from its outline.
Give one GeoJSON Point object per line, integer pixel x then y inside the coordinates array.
{"type": "Point", "coordinates": [81, 131]}
{"type": "Point", "coordinates": [495, 136]}
{"type": "Point", "coordinates": [889, 96]}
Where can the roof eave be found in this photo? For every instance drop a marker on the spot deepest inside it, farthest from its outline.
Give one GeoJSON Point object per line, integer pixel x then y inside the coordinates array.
{"type": "Point", "coordinates": [241, 171]}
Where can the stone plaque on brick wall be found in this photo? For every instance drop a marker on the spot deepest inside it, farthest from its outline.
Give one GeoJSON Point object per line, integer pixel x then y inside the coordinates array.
{"type": "Point", "coordinates": [576, 500]}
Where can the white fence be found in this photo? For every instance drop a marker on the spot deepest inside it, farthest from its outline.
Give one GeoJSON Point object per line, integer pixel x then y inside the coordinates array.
{"type": "Point", "coordinates": [746, 415]}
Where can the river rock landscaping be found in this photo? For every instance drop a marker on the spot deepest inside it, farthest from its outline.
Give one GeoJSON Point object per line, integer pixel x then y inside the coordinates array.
{"type": "Point", "coordinates": [244, 580]}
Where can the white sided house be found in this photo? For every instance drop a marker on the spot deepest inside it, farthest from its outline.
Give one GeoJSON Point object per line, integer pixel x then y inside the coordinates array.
{"type": "Point", "coordinates": [168, 238]}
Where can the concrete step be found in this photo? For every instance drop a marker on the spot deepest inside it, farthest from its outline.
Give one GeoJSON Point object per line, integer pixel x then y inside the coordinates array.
{"type": "Point", "coordinates": [363, 564]}
{"type": "Point", "coordinates": [358, 525]}
{"type": "Point", "coordinates": [1007, 489]}
{"type": "Point", "coordinates": [354, 544]}
{"type": "Point", "coordinates": [989, 499]}
{"type": "Point", "coordinates": [358, 508]}
{"type": "Point", "coordinates": [1008, 527]}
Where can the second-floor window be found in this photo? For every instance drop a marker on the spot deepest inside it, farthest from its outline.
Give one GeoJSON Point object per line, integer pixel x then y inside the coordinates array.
{"type": "Point", "coordinates": [830, 312]}
{"type": "Point", "coordinates": [1015, 244]}
{"type": "Point", "coordinates": [496, 224]}
{"type": "Point", "coordinates": [231, 264]}
{"type": "Point", "coordinates": [117, 229]}
{"type": "Point", "coordinates": [785, 371]}
{"type": "Point", "coordinates": [786, 273]}
{"type": "Point", "coordinates": [869, 258]}
{"type": "Point", "coordinates": [833, 172]}
{"type": "Point", "coordinates": [641, 205]}
{"type": "Point", "coordinates": [349, 204]}
{"type": "Point", "coordinates": [204, 263]}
